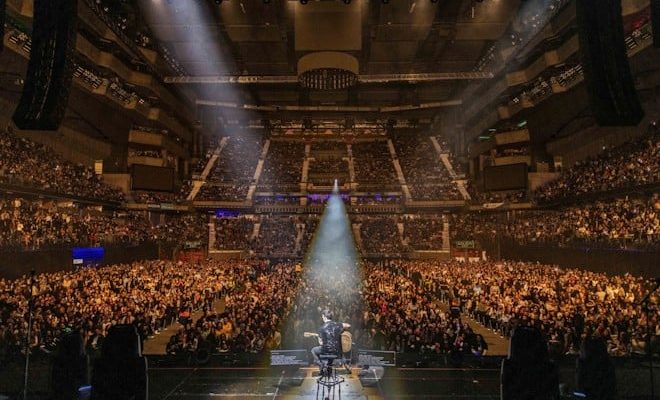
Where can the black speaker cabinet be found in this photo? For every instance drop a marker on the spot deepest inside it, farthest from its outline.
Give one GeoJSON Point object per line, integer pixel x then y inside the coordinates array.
{"type": "Point", "coordinates": [121, 371]}
{"type": "Point", "coordinates": [655, 21]}
{"type": "Point", "coordinates": [50, 69]}
{"type": "Point", "coordinates": [609, 82]}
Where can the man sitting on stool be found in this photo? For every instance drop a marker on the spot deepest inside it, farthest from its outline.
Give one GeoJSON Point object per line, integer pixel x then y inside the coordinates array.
{"type": "Point", "coordinates": [329, 337]}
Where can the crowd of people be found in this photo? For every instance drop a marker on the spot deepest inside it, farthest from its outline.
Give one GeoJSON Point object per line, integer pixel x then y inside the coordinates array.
{"type": "Point", "coordinates": [324, 166]}
{"type": "Point", "coordinates": [211, 146]}
{"type": "Point", "coordinates": [506, 196]}
{"type": "Point", "coordinates": [234, 233]}
{"type": "Point", "coordinates": [404, 306]}
{"type": "Point", "coordinates": [149, 294]}
{"type": "Point", "coordinates": [150, 197]}
{"type": "Point", "coordinates": [373, 163]}
{"type": "Point", "coordinates": [257, 299]}
{"type": "Point", "coordinates": [624, 222]}
{"type": "Point", "coordinates": [631, 165]}
{"type": "Point", "coordinates": [37, 224]}
{"type": "Point", "coordinates": [278, 236]}
{"type": "Point", "coordinates": [238, 160]}
{"type": "Point", "coordinates": [228, 191]}
{"type": "Point", "coordinates": [566, 304]}
{"type": "Point", "coordinates": [400, 305]}
{"type": "Point", "coordinates": [423, 233]}
{"type": "Point", "coordinates": [426, 176]}
{"type": "Point", "coordinates": [284, 163]}
{"type": "Point", "coordinates": [620, 223]}
{"type": "Point", "coordinates": [27, 224]}
{"type": "Point", "coordinates": [404, 315]}
{"type": "Point", "coordinates": [329, 146]}
{"type": "Point", "coordinates": [233, 172]}
{"type": "Point", "coordinates": [26, 163]}
{"type": "Point", "coordinates": [380, 235]}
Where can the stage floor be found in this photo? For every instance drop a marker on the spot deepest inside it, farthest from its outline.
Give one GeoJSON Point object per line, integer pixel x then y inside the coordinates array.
{"type": "Point", "coordinates": [255, 383]}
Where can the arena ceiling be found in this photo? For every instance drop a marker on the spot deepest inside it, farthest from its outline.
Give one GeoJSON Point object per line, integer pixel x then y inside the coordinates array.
{"type": "Point", "coordinates": [256, 40]}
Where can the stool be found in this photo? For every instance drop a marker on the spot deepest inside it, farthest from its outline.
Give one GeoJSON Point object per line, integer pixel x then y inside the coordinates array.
{"type": "Point", "coordinates": [327, 382]}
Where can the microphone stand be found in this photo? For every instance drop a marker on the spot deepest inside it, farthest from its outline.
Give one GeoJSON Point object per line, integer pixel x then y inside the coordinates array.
{"type": "Point", "coordinates": [29, 334]}
{"type": "Point", "coordinates": [646, 303]}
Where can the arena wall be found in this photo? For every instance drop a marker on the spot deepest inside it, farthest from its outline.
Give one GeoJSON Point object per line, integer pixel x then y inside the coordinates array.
{"type": "Point", "coordinates": [14, 264]}
{"type": "Point", "coordinates": [609, 261]}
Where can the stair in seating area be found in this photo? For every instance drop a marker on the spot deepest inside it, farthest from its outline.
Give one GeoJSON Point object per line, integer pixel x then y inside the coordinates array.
{"type": "Point", "coordinates": [300, 228]}
{"type": "Point", "coordinates": [257, 172]}
{"type": "Point", "coordinates": [445, 161]}
{"type": "Point", "coordinates": [216, 154]}
{"type": "Point", "coordinates": [351, 163]}
{"type": "Point", "coordinates": [445, 237]}
{"type": "Point", "coordinates": [444, 157]}
{"type": "Point", "coordinates": [460, 184]}
{"type": "Point", "coordinates": [198, 183]}
{"type": "Point", "coordinates": [399, 171]}
{"type": "Point", "coordinates": [211, 226]}
{"type": "Point", "coordinates": [401, 230]}
{"type": "Point", "coordinates": [197, 186]}
{"type": "Point", "coordinates": [357, 235]}
{"type": "Point", "coordinates": [255, 230]}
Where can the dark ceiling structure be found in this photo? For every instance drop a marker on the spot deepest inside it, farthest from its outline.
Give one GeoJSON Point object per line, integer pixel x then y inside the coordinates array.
{"type": "Point", "coordinates": [407, 59]}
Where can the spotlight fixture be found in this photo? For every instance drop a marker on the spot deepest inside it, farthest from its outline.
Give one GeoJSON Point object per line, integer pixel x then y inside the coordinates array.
{"type": "Point", "coordinates": [434, 1]}
{"type": "Point", "coordinates": [303, 2]}
{"type": "Point", "coordinates": [347, 1]}
{"type": "Point", "coordinates": [266, 1]}
{"type": "Point", "coordinates": [385, 1]}
{"type": "Point", "coordinates": [218, 2]}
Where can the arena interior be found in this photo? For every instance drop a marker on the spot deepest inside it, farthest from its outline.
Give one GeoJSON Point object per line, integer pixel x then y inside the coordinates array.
{"type": "Point", "coordinates": [192, 188]}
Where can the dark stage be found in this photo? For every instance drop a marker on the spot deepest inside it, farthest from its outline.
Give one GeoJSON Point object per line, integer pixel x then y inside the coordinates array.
{"type": "Point", "coordinates": [247, 383]}
{"type": "Point", "coordinates": [173, 378]}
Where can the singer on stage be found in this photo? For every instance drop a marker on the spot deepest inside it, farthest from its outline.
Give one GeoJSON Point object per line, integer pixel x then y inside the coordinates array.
{"type": "Point", "coordinates": [329, 336]}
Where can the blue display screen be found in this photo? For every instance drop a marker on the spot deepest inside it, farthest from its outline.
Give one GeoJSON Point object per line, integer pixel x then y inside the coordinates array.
{"type": "Point", "coordinates": [87, 255]}
{"type": "Point", "coordinates": [227, 213]}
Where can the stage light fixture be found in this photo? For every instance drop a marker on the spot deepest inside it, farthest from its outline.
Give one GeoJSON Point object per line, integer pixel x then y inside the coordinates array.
{"type": "Point", "coordinates": [303, 2]}
{"type": "Point", "coordinates": [218, 2]}
{"type": "Point", "coordinates": [347, 1]}
{"type": "Point", "coordinates": [385, 1]}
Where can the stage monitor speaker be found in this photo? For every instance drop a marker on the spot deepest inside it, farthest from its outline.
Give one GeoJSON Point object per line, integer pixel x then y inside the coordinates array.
{"type": "Point", "coordinates": [370, 376]}
{"type": "Point", "coordinates": [655, 21]}
{"type": "Point", "coordinates": [70, 370]}
{"type": "Point", "coordinates": [596, 376]}
{"type": "Point", "coordinates": [528, 373]}
{"type": "Point", "coordinates": [121, 371]}
{"type": "Point", "coordinates": [50, 69]}
{"type": "Point", "coordinates": [612, 94]}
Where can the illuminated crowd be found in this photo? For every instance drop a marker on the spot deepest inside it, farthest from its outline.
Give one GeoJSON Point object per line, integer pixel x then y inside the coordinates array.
{"type": "Point", "coordinates": [28, 224]}
{"type": "Point", "coordinates": [27, 163]}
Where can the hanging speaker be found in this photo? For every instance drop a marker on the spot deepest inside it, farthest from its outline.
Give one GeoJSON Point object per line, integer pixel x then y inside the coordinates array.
{"type": "Point", "coordinates": [655, 21]}
{"type": "Point", "coordinates": [609, 82]}
{"type": "Point", "coordinates": [50, 69]}
{"type": "Point", "coordinates": [3, 7]}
